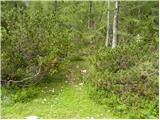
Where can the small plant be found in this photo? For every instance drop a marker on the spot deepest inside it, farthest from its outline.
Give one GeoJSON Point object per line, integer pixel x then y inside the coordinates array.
{"type": "Point", "coordinates": [25, 95]}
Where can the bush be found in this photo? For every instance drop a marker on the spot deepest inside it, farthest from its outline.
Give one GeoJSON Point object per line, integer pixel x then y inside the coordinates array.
{"type": "Point", "coordinates": [25, 95]}
{"type": "Point", "coordinates": [30, 40]}
{"type": "Point", "coordinates": [126, 78]}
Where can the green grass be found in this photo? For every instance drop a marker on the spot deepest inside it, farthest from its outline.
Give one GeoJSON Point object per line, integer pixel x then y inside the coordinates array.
{"type": "Point", "coordinates": [67, 102]}
{"type": "Point", "coordinates": [53, 98]}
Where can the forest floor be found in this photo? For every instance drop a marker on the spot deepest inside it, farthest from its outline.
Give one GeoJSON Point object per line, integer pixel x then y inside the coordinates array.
{"type": "Point", "coordinates": [59, 99]}
{"type": "Point", "coordinates": [71, 102]}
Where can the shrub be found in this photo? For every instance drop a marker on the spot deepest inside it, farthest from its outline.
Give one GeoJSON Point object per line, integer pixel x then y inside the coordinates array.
{"type": "Point", "coordinates": [30, 40]}
{"type": "Point", "coordinates": [25, 95]}
{"type": "Point", "coordinates": [126, 78]}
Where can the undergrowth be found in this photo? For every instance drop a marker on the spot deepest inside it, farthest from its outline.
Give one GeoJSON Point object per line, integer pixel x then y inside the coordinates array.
{"type": "Point", "coordinates": [126, 80]}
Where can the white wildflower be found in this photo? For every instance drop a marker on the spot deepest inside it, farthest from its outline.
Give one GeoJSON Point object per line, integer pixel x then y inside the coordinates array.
{"type": "Point", "coordinates": [31, 117]}
{"type": "Point", "coordinates": [53, 90]}
{"type": "Point", "coordinates": [80, 84]}
{"type": "Point", "coordinates": [77, 66]}
{"type": "Point", "coordinates": [91, 118]}
{"type": "Point", "coordinates": [66, 81]}
{"type": "Point", "coordinates": [84, 71]}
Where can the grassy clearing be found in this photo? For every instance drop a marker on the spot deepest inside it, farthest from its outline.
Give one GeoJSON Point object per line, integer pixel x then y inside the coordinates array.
{"type": "Point", "coordinates": [67, 102]}
{"type": "Point", "coordinates": [57, 99]}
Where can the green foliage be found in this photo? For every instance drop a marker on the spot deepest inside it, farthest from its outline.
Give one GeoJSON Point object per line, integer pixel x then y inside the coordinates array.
{"type": "Point", "coordinates": [25, 95]}
{"type": "Point", "coordinates": [30, 39]}
{"type": "Point", "coordinates": [126, 78]}
{"type": "Point", "coordinates": [64, 102]}
{"type": "Point", "coordinates": [137, 18]}
{"type": "Point", "coordinates": [122, 81]}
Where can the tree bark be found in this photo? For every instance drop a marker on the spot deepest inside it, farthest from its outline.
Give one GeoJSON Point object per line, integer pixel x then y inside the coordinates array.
{"type": "Point", "coordinates": [115, 25]}
{"type": "Point", "coordinates": [26, 2]}
{"type": "Point", "coordinates": [102, 13]}
{"type": "Point", "coordinates": [108, 25]}
{"type": "Point", "coordinates": [55, 7]}
{"type": "Point", "coordinates": [89, 16]}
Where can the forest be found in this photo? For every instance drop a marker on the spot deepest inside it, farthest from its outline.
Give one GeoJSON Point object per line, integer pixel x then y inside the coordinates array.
{"type": "Point", "coordinates": [79, 59]}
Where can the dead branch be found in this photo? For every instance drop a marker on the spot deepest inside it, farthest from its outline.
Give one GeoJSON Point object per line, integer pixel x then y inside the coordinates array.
{"type": "Point", "coordinates": [37, 77]}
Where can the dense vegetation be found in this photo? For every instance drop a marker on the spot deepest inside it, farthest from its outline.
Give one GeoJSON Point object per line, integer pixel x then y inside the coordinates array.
{"type": "Point", "coordinates": [55, 63]}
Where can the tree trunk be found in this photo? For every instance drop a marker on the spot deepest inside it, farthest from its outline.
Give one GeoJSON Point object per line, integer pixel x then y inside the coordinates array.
{"type": "Point", "coordinates": [55, 7]}
{"type": "Point", "coordinates": [26, 2]}
{"type": "Point", "coordinates": [89, 16]}
{"type": "Point", "coordinates": [108, 25]}
{"type": "Point", "coordinates": [115, 25]}
{"type": "Point", "coordinates": [102, 13]}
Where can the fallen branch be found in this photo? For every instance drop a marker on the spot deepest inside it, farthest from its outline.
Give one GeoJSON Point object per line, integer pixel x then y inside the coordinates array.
{"type": "Point", "coordinates": [8, 82]}
{"type": "Point", "coordinates": [37, 77]}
